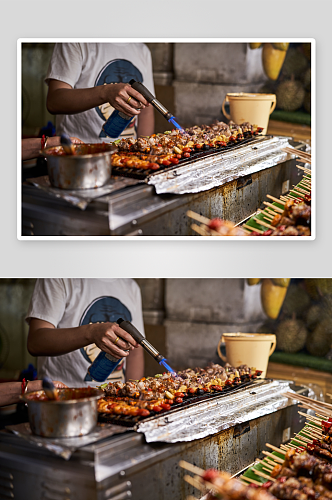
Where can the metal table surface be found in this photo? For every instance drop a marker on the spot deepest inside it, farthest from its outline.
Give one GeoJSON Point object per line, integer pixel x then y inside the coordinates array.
{"type": "Point", "coordinates": [126, 466]}
{"type": "Point", "coordinates": [138, 210]}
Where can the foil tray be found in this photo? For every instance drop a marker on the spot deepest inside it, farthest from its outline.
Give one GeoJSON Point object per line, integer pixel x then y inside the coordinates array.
{"type": "Point", "coordinates": [209, 417]}
{"type": "Point", "coordinates": [216, 170]}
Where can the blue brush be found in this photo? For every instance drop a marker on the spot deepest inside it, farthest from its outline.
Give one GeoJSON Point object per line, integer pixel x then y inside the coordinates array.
{"type": "Point", "coordinates": [67, 144]}
{"type": "Point", "coordinates": [50, 389]}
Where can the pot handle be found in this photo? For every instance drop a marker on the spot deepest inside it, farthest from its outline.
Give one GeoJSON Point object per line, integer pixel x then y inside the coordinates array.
{"type": "Point", "coordinates": [273, 346]}
{"type": "Point", "coordinates": [223, 108]}
{"type": "Point", "coordinates": [274, 102]}
{"type": "Point", "coordinates": [220, 354]}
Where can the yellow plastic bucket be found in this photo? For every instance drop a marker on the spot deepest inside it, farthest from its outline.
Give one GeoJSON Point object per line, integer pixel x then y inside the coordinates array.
{"type": "Point", "coordinates": [252, 349]}
{"type": "Point", "coordinates": [252, 108]}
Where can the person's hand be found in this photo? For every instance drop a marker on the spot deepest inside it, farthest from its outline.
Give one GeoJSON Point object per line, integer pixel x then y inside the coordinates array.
{"type": "Point", "coordinates": [59, 385]}
{"type": "Point", "coordinates": [75, 140]}
{"type": "Point", "coordinates": [56, 141]}
{"type": "Point", "coordinates": [110, 338]}
{"type": "Point", "coordinates": [124, 98]}
{"type": "Point", "coordinates": [37, 385]}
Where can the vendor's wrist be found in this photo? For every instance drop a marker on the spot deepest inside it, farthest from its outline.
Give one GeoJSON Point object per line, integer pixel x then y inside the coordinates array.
{"type": "Point", "coordinates": [34, 385]}
{"type": "Point", "coordinates": [89, 333]}
{"type": "Point", "coordinates": [53, 141]}
{"type": "Point", "coordinates": [103, 89]}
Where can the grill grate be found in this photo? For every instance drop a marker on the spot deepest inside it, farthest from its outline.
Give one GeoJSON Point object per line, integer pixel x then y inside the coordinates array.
{"type": "Point", "coordinates": [131, 421]}
{"type": "Point", "coordinates": [143, 173]}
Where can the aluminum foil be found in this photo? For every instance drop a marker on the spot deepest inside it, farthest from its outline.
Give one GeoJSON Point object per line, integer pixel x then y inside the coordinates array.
{"type": "Point", "coordinates": [65, 447]}
{"type": "Point", "coordinates": [209, 417]}
{"type": "Point", "coordinates": [82, 197]}
{"type": "Point", "coordinates": [210, 172]}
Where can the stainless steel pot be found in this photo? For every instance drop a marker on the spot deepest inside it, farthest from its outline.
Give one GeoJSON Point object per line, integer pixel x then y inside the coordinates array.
{"type": "Point", "coordinates": [74, 414]}
{"type": "Point", "coordinates": [89, 168]}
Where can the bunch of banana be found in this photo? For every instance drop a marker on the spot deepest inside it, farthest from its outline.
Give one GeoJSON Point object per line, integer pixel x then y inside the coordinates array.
{"type": "Point", "coordinates": [273, 56]}
{"type": "Point", "coordinates": [273, 293]}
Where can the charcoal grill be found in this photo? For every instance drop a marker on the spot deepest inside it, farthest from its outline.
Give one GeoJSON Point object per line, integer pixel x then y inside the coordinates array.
{"type": "Point", "coordinates": [189, 401]}
{"type": "Point", "coordinates": [153, 206]}
{"type": "Point", "coordinates": [125, 466]}
{"type": "Point", "coordinates": [146, 173]}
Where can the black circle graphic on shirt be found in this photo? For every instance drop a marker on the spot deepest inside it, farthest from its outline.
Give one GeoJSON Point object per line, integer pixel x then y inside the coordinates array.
{"type": "Point", "coordinates": [116, 71]}
{"type": "Point", "coordinates": [103, 309]}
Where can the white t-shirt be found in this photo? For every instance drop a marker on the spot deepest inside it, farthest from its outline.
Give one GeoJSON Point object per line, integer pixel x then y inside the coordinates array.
{"type": "Point", "coordinates": [87, 65]}
{"type": "Point", "coordinates": [67, 303]}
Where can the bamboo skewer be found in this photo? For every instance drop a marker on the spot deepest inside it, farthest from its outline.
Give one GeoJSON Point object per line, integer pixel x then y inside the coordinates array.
{"type": "Point", "coordinates": [253, 481]}
{"type": "Point", "coordinates": [269, 211]}
{"type": "Point", "coordinates": [270, 461]}
{"type": "Point", "coordinates": [318, 415]}
{"type": "Point", "coordinates": [302, 439]}
{"type": "Point", "coordinates": [297, 151]}
{"type": "Point", "coordinates": [274, 448]}
{"type": "Point", "coordinates": [301, 190]}
{"type": "Point", "coordinates": [301, 154]}
{"type": "Point", "coordinates": [198, 217]}
{"type": "Point", "coordinates": [275, 199]}
{"type": "Point", "coordinates": [306, 170]}
{"type": "Point", "coordinates": [191, 468]}
{"type": "Point", "coordinates": [262, 474]}
{"type": "Point", "coordinates": [310, 417]}
{"type": "Point", "coordinates": [301, 443]}
{"type": "Point", "coordinates": [194, 482]}
{"type": "Point", "coordinates": [274, 458]}
{"type": "Point", "coordinates": [276, 209]}
{"type": "Point", "coordinates": [311, 434]}
{"type": "Point", "coordinates": [265, 213]}
{"type": "Point", "coordinates": [262, 223]}
{"type": "Point", "coordinates": [199, 230]}
{"type": "Point", "coordinates": [271, 467]}
{"type": "Point", "coordinates": [268, 217]}
{"type": "Point", "coordinates": [303, 159]}
{"type": "Point", "coordinates": [288, 446]}
{"type": "Point", "coordinates": [314, 428]}
{"type": "Point", "coordinates": [323, 412]}
{"type": "Point", "coordinates": [305, 181]}
{"type": "Point", "coordinates": [307, 400]}
{"type": "Point", "coordinates": [252, 229]}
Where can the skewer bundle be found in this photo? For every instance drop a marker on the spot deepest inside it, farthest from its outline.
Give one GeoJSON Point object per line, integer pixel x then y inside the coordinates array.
{"type": "Point", "coordinates": [302, 155]}
{"type": "Point", "coordinates": [296, 471]}
{"type": "Point", "coordinates": [272, 220]}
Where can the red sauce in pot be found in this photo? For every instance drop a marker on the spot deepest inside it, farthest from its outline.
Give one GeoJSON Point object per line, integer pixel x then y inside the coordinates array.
{"type": "Point", "coordinates": [81, 149]}
{"type": "Point", "coordinates": [64, 394]}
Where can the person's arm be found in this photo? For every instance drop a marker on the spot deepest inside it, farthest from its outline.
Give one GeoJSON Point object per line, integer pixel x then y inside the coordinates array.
{"type": "Point", "coordinates": [135, 364]}
{"type": "Point", "coordinates": [145, 125]}
{"type": "Point", "coordinates": [62, 98]}
{"type": "Point", "coordinates": [32, 146]}
{"type": "Point", "coordinates": [46, 340]}
{"type": "Point", "coordinates": [10, 392]}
